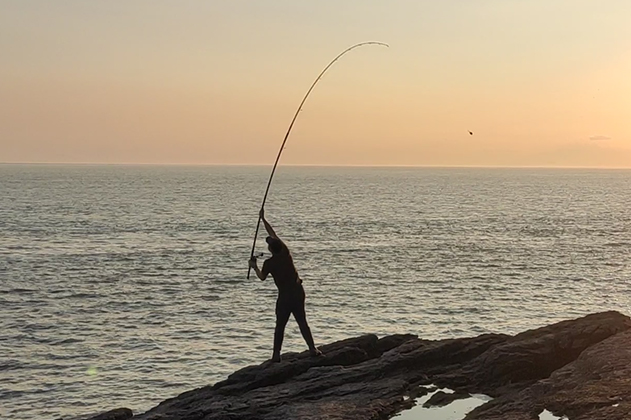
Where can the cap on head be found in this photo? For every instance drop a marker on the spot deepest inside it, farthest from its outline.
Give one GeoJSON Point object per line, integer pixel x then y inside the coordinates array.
{"type": "Point", "coordinates": [275, 245]}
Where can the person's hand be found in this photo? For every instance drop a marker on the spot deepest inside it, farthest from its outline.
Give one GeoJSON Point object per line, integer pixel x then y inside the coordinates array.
{"type": "Point", "coordinates": [262, 213]}
{"type": "Point", "coordinates": [252, 262]}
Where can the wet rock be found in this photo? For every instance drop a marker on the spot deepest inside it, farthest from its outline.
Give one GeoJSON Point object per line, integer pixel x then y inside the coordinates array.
{"type": "Point", "coordinates": [596, 386]}
{"type": "Point", "coordinates": [116, 414]}
{"type": "Point", "coordinates": [421, 391]}
{"type": "Point", "coordinates": [441, 398]}
{"type": "Point", "coordinates": [535, 354]}
{"type": "Point", "coordinates": [370, 378]}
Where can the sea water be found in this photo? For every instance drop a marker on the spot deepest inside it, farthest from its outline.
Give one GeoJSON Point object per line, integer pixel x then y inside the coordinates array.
{"type": "Point", "coordinates": [126, 285]}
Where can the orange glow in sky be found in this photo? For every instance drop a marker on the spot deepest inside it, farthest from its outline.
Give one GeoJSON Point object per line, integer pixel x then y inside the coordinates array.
{"type": "Point", "coordinates": [540, 83]}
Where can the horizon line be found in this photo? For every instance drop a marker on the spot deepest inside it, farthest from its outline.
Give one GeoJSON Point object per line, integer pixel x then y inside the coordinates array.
{"type": "Point", "coordinates": [321, 165]}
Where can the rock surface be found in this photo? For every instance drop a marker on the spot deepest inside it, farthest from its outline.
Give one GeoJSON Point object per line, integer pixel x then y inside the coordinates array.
{"type": "Point", "coordinates": [580, 368]}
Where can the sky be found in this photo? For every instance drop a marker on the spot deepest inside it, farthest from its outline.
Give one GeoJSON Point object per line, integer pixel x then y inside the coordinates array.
{"type": "Point", "coordinates": [538, 82]}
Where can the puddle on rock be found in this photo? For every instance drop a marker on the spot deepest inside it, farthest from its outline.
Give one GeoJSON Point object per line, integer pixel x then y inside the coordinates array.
{"type": "Point", "coordinates": [546, 415]}
{"type": "Point", "coordinates": [456, 410]}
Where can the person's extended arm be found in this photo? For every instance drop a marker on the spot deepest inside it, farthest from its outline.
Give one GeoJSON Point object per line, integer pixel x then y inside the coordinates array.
{"type": "Point", "coordinates": [268, 227]}
{"type": "Point", "coordinates": [259, 273]}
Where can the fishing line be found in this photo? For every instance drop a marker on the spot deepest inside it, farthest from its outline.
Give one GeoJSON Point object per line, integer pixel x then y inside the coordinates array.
{"type": "Point", "coordinates": [282, 146]}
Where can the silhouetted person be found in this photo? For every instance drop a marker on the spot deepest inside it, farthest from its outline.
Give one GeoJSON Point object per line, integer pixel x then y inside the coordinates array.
{"type": "Point", "coordinates": [291, 294]}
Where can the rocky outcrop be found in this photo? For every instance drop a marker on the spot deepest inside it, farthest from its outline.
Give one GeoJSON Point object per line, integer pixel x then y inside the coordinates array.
{"type": "Point", "coordinates": [535, 354]}
{"type": "Point", "coordinates": [597, 385]}
{"type": "Point", "coordinates": [577, 367]}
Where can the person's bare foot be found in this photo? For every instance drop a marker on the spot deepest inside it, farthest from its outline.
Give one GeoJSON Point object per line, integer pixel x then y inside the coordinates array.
{"type": "Point", "coordinates": [315, 352]}
{"type": "Point", "coordinates": [276, 358]}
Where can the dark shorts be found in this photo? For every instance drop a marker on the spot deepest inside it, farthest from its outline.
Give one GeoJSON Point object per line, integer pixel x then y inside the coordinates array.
{"type": "Point", "coordinates": [291, 302]}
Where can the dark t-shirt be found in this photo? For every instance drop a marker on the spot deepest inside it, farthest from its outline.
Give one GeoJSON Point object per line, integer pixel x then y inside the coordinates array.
{"type": "Point", "coordinates": [281, 267]}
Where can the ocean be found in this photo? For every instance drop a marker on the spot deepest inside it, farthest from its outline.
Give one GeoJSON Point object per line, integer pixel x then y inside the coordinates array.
{"type": "Point", "coordinates": [125, 285]}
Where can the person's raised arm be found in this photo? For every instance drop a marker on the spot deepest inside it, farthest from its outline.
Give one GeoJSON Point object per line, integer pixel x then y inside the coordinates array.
{"type": "Point", "coordinates": [268, 227]}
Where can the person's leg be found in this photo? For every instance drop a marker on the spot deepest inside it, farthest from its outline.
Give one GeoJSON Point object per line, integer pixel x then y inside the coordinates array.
{"type": "Point", "coordinates": [283, 311]}
{"type": "Point", "coordinates": [301, 318]}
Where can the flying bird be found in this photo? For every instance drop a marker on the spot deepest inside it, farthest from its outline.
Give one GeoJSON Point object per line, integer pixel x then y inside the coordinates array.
{"type": "Point", "coordinates": [471, 132]}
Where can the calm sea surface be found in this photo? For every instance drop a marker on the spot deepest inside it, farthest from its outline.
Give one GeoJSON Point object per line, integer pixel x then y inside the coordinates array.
{"type": "Point", "coordinates": [126, 285]}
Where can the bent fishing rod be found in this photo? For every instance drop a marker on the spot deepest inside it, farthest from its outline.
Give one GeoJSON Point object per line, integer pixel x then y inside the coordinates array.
{"type": "Point", "coordinates": [282, 146]}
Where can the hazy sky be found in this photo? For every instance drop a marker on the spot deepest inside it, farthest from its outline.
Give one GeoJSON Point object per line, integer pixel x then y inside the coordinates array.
{"type": "Point", "coordinates": [539, 82]}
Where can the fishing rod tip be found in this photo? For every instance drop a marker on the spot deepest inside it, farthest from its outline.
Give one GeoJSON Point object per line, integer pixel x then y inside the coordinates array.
{"type": "Point", "coordinates": [371, 42]}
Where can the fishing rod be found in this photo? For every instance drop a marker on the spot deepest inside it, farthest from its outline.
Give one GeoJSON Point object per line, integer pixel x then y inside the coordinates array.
{"type": "Point", "coordinates": [282, 146]}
